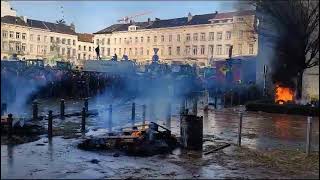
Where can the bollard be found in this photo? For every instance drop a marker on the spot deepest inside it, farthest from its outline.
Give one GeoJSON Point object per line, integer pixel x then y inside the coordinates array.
{"type": "Point", "coordinates": [224, 100]}
{"type": "Point", "coordinates": [110, 118]}
{"type": "Point", "coordinates": [50, 124]}
{"type": "Point", "coordinates": [206, 103]}
{"type": "Point", "coordinates": [144, 114]}
{"type": "Point", "coordinates": [309, 134]}
{"type": "Point", "coordinates": [240, 128]}
{"type": "Point", "coordinates": [231, 100]}
{"type": "Point", "coordinates": [168, 119]}
{"type": "Point", "coordinates": [35, 110]}
{"type": "Point", "coordinates": [83, 119]}
{"type": "Point", "coordinates": [3, 108]}
{"type": "Point", "coordinates": [86, 104]}
{"type": "Point", "coordinates": [62, 109]}
{"type": "Point", "coordinates": [183, 106]}
{"type": "Point", "coordinates": [191, 132]}
{"type": "Point", "coordinates": [215, 101]}
{"type": "Point", "coordinates": [10, 127]}
{"type": "Point", "coordinates": [195, 106]}
{"type": "Point", "coordinates": [133, 114]}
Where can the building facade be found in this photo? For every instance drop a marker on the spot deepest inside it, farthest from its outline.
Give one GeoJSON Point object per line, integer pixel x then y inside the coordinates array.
{"type": "Point", "coordinates": [194, 39]}
{"type": "Point", "coordinates": [86, 49]}
{"type": "Point", "coordinates": [310, 84]}
{"type": "Point", "coordinates": [7, 10]}
{"type": "Point", "coordinates": [33, 39]}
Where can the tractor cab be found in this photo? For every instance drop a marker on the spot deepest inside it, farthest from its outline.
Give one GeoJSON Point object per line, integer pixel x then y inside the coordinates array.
{"type": "Point", "coordinates": [35, 63]}
{"type": "Point", "coordinates": [64, 65]}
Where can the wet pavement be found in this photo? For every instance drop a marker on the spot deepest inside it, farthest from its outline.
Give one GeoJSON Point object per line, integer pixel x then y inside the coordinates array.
{"type": "Point", "coordinates": [263, 130]}
{"type": "Point", "coordinates": [60, 158]}
{"type": "Point", "coordinates": [260, 130]}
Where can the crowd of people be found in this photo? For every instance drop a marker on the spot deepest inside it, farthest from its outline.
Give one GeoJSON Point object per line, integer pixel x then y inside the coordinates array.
{"type": "Point", "coordinates": [34, 82]}
{"type": "Point", "coordinates": [24, 84]}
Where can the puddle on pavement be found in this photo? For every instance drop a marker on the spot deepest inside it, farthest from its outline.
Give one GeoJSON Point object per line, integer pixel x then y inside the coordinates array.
{"type": "Point", "coordinates": [60, 158]}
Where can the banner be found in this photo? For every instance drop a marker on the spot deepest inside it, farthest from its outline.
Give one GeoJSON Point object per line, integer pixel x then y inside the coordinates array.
{"type": "Point", "coordinates": [109, 66]}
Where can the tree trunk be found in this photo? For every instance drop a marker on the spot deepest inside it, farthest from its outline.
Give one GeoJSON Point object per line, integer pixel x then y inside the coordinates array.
{"type": "Point", "coordinates": [299, 85]}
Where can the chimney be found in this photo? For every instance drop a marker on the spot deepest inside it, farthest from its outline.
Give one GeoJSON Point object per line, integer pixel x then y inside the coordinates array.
{"type": "Point", "coordinates": [216, 12]}
{"type": "Point", "coordinates": [189, 16]}
{"type": "Point", "coordinates": [72, 26]}
{"type": "Point", "coordinates": [24, 18]}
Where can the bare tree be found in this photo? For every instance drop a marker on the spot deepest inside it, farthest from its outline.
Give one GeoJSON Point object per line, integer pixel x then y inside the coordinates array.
{"type": "Point", "coordinates": [293, 28]}
{"type": "Point", "coordinates": [55, 54]}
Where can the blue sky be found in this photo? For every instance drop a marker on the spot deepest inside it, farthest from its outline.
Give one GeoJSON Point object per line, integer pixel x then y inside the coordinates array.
{"type": "Point", "coordinates": [92, 16]}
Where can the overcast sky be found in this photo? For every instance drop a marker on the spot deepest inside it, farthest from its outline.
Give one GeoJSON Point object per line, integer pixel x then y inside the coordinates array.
{"type": "Point", "coordinates": [92, 16]}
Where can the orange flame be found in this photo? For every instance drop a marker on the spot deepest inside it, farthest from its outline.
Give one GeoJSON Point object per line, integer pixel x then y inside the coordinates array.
{"type": "Point", "coordinates": [283, 94]}
{"type": "Point", "coordinates": [136, 133]}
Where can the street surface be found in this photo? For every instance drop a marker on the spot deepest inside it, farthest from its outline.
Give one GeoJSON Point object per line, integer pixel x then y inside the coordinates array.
{"type": "Point", "coordinates": [60, 158]}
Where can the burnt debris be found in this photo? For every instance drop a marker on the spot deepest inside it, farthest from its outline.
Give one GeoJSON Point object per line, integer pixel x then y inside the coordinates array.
{"type": "Point", "coordinates": [155, 139]}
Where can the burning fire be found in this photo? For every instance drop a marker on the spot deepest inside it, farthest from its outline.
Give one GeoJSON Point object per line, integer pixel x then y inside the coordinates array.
{"type": "Point", "coordinates": [136, 133]}
{"type": "Point", "coordinates": [283, 94]}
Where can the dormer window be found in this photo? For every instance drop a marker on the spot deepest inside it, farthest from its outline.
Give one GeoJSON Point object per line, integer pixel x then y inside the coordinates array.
{"type": "Point", "coordinates": [132, 28]}
{"type": "Point", "coordinates": [220, 21]}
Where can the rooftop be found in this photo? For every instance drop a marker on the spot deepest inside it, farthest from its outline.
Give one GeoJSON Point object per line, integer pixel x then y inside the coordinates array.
{"type": "Point", "coordinates": [54, 27]}
{"type": "Point", "coordinates": [176, 22]}
{"type": "Point", "coordinates": [85, 37]}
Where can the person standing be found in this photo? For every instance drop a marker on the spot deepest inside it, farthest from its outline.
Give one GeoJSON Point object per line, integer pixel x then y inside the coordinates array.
{"type": "Point", "coordinates": [98, 52]}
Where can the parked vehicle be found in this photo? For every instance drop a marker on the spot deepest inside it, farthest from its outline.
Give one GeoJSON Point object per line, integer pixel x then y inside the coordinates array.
{"type": "Point", "coordinates": [35, 62]}
{"type": "Point", "coordinates": [63, 65]}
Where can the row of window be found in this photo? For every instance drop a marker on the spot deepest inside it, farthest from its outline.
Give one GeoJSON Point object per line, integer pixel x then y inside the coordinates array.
{"type": "Point", "coordinates": [13, 35]}
{"type": "Point", "coordinates": [195, 37]}
{"type": "Point", "coordinates": [22, 47]}
{"type": "Point", "coordinates": [23, 36]}
{"type": "Point", "coordinates": [63, 51]}
{"type": "Point", "coordinates": [189, 50]}
{"type": "Point", "coordinates": [239, 19]}
{"type": "Point", "coordinates": [62, 41]}
{"type": "Point", "coordinates": [84, 56]}
{"type": "Point", "coordinates": [84, 48]}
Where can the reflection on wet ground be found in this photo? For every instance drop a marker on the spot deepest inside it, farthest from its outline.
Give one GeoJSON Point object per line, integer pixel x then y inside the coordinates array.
{"type": "Point", "coordinates": [260, 130]}
{"type": "Point", "coordinates": [263, 130]}
{"type": "Point", "coordinates": [60, 158]}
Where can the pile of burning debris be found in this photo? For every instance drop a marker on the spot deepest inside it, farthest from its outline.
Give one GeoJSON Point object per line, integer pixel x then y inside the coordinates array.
{"type": "Point", "coordinates": [284, 102]}
{"type": "Point", "coordinates": [284, 94]}
{"type": "Point", "coordinates": [144, 140]}
{"type": "Point", "coordinates": [20, 126]}
{"type": "Point", "coordinates": [19, 130]}
{"type": "Point", "coordinates": [150, 139]}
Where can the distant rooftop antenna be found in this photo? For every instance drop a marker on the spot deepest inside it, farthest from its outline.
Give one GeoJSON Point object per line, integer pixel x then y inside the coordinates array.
{"type": "Point", "coordinates": [62, 12]}
{"type": "Point", "coordinates": [127, 19]}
